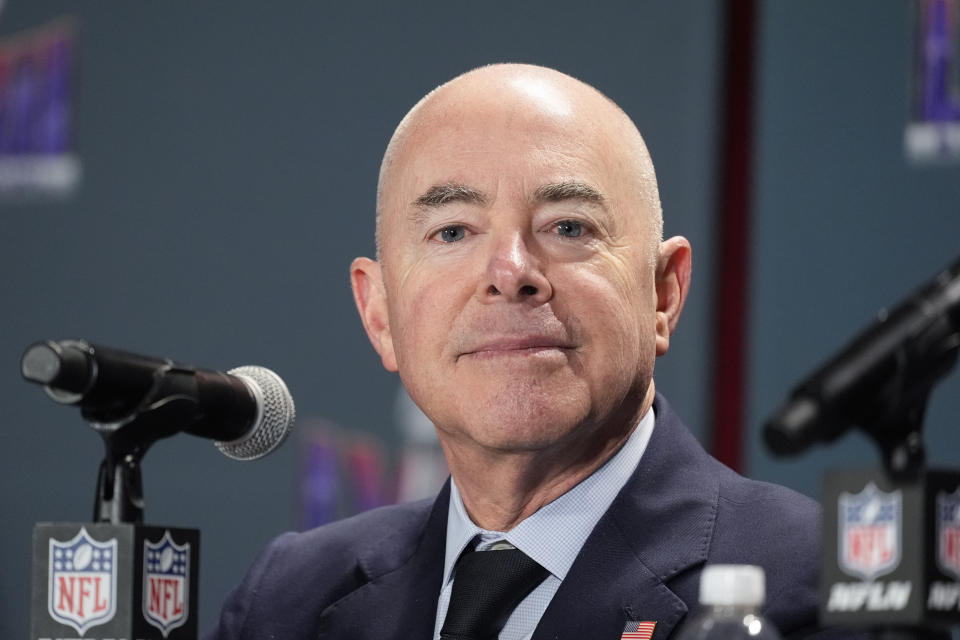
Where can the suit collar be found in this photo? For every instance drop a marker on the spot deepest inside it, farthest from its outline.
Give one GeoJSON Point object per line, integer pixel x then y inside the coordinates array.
{"type": "Point", "coordinates": [660, 524]}
{"type": "Point", "coordinates": [400, 578]}
{"type": "Point", "coordinates": [399, 549]}
{"type": "Point", "coordinates": [668, 509]}
{"type": "Point", "coordinates": [555, 534]}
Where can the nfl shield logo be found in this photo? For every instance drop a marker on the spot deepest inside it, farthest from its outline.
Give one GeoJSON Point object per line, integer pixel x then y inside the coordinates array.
{"type": "Point", "coordinates": [82, 581]}
{"type": "Point", "coordinates": [166, 581]}
{"type": "Point", "coordinates": [869, 532]}
{"type": "Point", "coordinates": [948, 532]}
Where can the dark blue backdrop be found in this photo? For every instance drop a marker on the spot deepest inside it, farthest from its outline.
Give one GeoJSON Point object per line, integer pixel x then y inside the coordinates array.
{"type": "Point", "coordinates": [230, 155]}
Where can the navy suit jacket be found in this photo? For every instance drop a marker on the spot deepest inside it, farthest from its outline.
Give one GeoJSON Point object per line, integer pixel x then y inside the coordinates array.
{"type": "Point", "coordinates": [378, 575]}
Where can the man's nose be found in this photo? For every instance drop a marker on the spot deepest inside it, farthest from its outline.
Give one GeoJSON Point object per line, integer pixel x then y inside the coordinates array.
{"type": "Point", "coordinates": [514, 273]}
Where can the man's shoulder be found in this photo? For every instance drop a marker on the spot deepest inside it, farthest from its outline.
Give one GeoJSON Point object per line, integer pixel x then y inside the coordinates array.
{"type": "Point", "coordinates": [368, 526]}
{"type": "Point", "coordinates": [763, 518]}
{"type": "Point", "coordinates": [749, 522]}
{"type": "Point", "coordinates": [778, 529]}
{"type": "Point", "coordinates": [761, 499]}
{"type": "Point", "coordinates": [743, 505]}
{"type": "Point", "coordinates": [391, 531]}
{"type": "Point", "coordinates": [298, 575]}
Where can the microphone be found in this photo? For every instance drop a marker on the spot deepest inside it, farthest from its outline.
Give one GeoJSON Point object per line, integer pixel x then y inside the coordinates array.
{"type": "Point", "coordinates": [892, 363]}
{"type": "Point", "coordinates": [247, 411]}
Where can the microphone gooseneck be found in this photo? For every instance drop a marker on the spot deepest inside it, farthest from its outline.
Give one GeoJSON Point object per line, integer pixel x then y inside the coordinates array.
{"type": "Point", "coordinates": [881, 380]}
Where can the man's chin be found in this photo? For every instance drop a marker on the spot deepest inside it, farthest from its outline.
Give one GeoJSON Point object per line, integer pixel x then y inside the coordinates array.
{"type": "Point", "coordinates": [522, 432]}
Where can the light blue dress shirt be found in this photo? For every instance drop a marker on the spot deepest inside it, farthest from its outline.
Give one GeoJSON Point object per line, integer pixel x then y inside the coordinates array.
{"type": "Point", "coordinates": [552, 536]}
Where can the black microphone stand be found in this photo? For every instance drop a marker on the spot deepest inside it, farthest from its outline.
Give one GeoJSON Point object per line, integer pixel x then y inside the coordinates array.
{"type": "Point", "coordinates": [892, 417]}
{"type": "Point", "coordinates": [150, 590]}
{"type": "Point", "coordinates": [896, 423]}
{"type": "Point", "coordinates": [897, 429]}
{"type": "Point", "coordinates": [119, 493]}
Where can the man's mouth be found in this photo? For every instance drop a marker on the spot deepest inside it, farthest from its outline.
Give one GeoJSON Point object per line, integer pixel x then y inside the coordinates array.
{"type": "Point", "coordinates": [516, 346]}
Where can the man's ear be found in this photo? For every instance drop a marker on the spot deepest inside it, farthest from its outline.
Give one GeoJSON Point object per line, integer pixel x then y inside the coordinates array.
{"type": "Point", "coordinates": [673, 283]}
{"type": "Point", "coordinates": [370, 296]}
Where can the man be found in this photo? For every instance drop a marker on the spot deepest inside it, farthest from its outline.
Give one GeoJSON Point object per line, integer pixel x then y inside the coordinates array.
{"type": "Point", "coordinates": [523, 293]}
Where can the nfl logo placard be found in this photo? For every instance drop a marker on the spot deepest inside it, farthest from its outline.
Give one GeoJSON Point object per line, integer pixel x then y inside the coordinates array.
{"type": "Point", "coordinates": [114, 581]}
{"type": "Point", "coordinates": [869, 532]}
{"type": "Point", "coordinates": [166, 583]}
{"type": "Point", "coordinates": [82, 581]}
{"type": "Point", "coordinates": [948, 532]}
{"type": "Point", "coordinates": [899, 538]}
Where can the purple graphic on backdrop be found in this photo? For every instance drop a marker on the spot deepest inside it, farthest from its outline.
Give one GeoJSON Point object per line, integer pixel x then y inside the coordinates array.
{"type": "Point", "coordinates": [341, 474]}
{"type": "Point", "coordinates": [37, 95]}
{"type": "Point", "coordinates": [320, 481]}
{"type": "Point", "coordinates": [940, 91]}
{"type": "Point", "coordinates": [934, 130]}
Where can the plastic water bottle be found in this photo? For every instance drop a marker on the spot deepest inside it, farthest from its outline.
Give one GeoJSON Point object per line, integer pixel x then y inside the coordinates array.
{"type": "Point", "coordinates": [731, 595]}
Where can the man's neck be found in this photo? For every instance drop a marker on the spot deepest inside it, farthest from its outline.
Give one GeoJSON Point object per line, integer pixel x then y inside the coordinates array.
{"type": "Point", "coordinates": [501, 489]}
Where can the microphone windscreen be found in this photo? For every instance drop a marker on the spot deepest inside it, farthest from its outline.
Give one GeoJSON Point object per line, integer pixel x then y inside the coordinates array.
{"type": "Point", "coordinates": [275, 415]}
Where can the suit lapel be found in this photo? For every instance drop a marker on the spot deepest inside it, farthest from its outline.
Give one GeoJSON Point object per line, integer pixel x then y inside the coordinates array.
{"type": "Point", "coordinates": [659, 526]}
{"type": "Point", "coordinates": [607, 586]}
{"type": "Point", "coordinates": [399, 596]}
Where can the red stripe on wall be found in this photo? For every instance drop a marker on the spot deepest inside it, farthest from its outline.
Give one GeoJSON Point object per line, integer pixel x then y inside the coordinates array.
{"type": "Point", "coordinates": [733, 237]}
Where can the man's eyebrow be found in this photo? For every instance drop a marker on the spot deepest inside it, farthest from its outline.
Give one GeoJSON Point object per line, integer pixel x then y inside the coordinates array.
{"type": "Point", "coordinates": [441, 194]}
{"type": "Point", "coordinates": [568, 190]}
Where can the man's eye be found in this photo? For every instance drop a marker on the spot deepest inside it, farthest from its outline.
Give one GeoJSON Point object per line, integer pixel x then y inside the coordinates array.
{"type": "Point", "coordinates": [452, 233]}
{"type": "Point", "coordinates": [569, 229]}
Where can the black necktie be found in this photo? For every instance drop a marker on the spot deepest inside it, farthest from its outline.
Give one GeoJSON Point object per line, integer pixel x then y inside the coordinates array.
{"type": "Point", "coordinates": [487, 586]}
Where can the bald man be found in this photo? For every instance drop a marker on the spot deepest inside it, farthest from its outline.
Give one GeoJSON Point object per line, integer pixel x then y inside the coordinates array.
{"type": "Point", "coordinates": [522, 292]}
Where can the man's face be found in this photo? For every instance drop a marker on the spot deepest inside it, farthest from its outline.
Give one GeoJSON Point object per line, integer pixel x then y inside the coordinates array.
{"type": "Point", "coordinates": [520, 292]}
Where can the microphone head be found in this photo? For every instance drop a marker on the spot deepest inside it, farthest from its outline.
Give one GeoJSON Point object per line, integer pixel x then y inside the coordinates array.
{"type": "Point", "coordinates": [275, 415]}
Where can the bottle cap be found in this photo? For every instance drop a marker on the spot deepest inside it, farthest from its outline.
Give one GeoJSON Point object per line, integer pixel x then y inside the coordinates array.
{"type": "Point", "coordinates": [732, 585]}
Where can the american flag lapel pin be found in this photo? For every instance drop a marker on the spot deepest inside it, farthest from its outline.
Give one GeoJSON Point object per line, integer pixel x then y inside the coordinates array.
{"type": "Point", "coordinates": [637, 630]}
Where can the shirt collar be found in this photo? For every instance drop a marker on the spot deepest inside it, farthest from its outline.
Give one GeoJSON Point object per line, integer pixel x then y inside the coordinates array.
{"type": "Point", "coordinates": [554, 534]}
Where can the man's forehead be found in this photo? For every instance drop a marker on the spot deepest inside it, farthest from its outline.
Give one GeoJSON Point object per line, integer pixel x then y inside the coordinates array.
{"type": "Point", "coordinates": [476, 155]}
{"type": "Point", "coordinates": [493, 109]}
{"type": "Point", "coordinates": [452, 144]}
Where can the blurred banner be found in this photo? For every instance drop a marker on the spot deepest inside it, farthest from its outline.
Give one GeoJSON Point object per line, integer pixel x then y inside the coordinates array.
{"type": "Point", "coordinates": [37, 112]}
{"type": "Point", "coordinates": [341, 473]}
{"type": "Point", "coordinates": [346, 471]}
{"type": "Point", "coordinates": [933, 134]}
